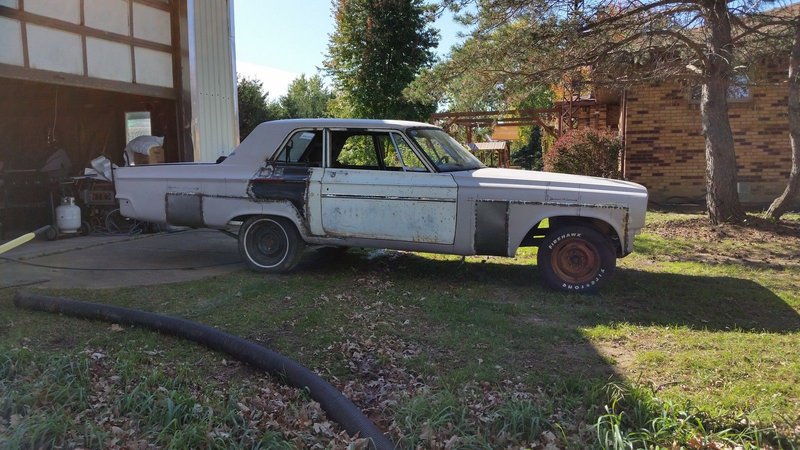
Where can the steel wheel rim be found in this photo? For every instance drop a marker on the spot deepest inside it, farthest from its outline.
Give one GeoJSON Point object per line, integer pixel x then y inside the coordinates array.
{"type": "Point", "coordinates": [575, 261]}
{"type": "Point", "coordinates": [267, 243]}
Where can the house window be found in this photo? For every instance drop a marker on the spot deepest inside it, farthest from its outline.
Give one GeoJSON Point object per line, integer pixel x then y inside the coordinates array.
{"type": "Point", "coordinates": [137, 124]}
{"type": "Point", "coordinates": [738, 90]}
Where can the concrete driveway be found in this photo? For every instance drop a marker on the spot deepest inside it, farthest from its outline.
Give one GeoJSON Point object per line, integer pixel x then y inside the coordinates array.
{"type": "Point", "coordinates": [116, 261]}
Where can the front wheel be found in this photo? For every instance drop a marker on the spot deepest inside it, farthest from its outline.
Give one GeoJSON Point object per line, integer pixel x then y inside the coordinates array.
{"type": "Point", "coordinates": [576, 259]}
{"type": "Point", "coordinates": [270, 244]}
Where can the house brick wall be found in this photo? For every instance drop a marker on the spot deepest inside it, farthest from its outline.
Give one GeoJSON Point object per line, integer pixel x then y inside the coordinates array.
{"type": "Point", "coordinates": [665, 151]}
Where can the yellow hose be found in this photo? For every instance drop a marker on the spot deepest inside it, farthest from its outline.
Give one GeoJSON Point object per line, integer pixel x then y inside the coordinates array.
{"type": "Point", "coordinates": [14, 243]}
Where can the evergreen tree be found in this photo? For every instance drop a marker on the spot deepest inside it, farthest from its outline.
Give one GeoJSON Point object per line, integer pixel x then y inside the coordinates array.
{"type": "Point", "coordinates": [530, 156]}
{"type": "Point", "coordinates": [306, 98]}
{"type": "Point", "coordinates": [254, 106]}
{"type": "Point", "coordinates": [377, 50]}
{"type": "Point", "coordinates": [613, 43]}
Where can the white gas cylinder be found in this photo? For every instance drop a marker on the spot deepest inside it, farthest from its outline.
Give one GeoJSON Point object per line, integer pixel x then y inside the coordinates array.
{"type": "Point", "coordinates": [68, 216]}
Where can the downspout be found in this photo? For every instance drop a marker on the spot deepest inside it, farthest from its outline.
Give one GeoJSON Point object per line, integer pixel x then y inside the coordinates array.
{"type": "Point", "coordinates": [624, 134]}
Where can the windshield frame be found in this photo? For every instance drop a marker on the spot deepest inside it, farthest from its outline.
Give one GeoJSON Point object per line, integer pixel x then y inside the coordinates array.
{"type": "Point", "coordinates": [470, 161]}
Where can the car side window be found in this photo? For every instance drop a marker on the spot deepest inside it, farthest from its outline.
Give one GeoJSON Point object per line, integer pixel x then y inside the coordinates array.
{"type": "Point", "coordinates": [355, 149]}
{"type": "Point", "coordinates": [373, 150]}
{"type": "Point", "coordinates": [303, 148]}
{"type": "Point", "coordinates": [358, 150]}
{"type": "Point", "coordinates": [398, 155]}
{"type": "Point", "coordinates": [408, 158]}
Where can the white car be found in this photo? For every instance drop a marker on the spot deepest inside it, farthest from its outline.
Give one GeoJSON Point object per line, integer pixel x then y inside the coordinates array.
{"type": "Point", "coordinates": [389, 184]}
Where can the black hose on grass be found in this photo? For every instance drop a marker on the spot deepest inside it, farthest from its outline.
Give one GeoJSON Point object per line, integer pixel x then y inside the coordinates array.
{"type": "Point", "coordinates": [336, 405]}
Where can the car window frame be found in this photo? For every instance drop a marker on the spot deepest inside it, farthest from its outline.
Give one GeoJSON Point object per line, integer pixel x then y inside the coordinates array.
{"type": "Point", "coordinates": [328, 148]}
{"type": "Point", "coordinates": [274, 159]}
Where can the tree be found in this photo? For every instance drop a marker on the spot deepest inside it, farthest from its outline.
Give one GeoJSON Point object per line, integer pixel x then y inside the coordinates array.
{"type": "Point", "coordinates": [377, 49]}
{"type": "Point", "coordinates": [306, 98]}
{"type": "Point", "coordinates": [517, 44]}
{"type": "Point", "coordinates": [254, 106]}
{"type": "Point", "coordinates": [782, 203]}
{"type": "Point", "coordinates": [530, 156]}
{"type": "Point", "coordinates": [585, 151]}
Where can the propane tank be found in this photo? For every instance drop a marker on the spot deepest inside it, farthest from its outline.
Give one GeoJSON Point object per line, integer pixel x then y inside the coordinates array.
{"type": "Point", "coordinates": [68, 216]}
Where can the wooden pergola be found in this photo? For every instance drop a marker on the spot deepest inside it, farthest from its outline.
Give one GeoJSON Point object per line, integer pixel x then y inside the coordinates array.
{"type": "Point", "coordinates": [553, 121]}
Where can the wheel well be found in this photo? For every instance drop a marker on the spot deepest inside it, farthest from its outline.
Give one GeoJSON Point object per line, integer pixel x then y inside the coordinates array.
{"type": "Point", "coordinates": [244, 217]}
{"type": "Point", "coordinates": [537, 232]}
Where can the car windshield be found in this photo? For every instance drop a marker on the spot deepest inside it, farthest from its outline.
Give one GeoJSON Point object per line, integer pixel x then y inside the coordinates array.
{"type": "Point", "coordinates": [444, 151]}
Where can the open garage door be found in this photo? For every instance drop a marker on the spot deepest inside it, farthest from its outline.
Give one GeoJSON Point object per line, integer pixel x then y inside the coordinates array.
{"type": "Point", "coordinates": [77, 77]}
{"type": "Point", "coordinates": [84, 76]}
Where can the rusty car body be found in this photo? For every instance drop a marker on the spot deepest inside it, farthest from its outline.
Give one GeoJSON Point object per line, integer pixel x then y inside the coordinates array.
{"type": "Point", "coordinates": [389, 184]}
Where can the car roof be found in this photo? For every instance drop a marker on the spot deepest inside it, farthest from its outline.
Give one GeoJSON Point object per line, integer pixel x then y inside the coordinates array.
{"type": "Point", "coordinates": [265, 139]}
{"type": "Point", "coordinates": [341, 123]}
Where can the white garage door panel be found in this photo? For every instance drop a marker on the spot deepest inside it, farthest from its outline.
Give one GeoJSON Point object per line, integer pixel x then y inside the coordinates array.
{"type": "Point", "coordinates": [153, 67]}
{"type": "Point", "coordinates": [66, 10]}
{"type": "Point", "coordinates": [151, 24]}
{"type": "Point", "coordinates": [109, 60]}
{"type": "Point", "coordinates": [11, 37]}
{"type": "Point", "coordinates": [50, 49]}
{"type": "Point", "coordinates": [107, 15]}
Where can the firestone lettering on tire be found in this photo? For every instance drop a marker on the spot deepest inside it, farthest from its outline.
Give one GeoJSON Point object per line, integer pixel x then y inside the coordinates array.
{"type": "Point", "coordinates": [581, 287]}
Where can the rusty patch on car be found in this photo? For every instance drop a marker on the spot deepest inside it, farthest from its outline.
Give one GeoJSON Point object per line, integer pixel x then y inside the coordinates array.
{"type": "Point", "coordinates": [281, 183]}
{"type": "Point", "coordinates": [491, 228]}
{"type": "Point", "coordinates": [184, 209]}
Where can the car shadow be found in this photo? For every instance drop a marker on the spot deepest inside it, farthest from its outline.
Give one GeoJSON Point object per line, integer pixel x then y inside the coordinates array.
{"type": "Point", "coordinates": [633, 296]}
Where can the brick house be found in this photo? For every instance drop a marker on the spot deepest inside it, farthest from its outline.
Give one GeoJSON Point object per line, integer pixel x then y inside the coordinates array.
{"type": "Point", "coordinates": [665, 151]}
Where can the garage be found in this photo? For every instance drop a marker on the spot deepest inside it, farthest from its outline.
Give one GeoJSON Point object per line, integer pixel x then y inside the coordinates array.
{"type": "Point", "coordinates": [80, 79]}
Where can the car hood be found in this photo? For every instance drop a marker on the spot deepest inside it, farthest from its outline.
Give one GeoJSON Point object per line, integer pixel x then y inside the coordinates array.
{"type": "Point", "coordinates": [513, 177]}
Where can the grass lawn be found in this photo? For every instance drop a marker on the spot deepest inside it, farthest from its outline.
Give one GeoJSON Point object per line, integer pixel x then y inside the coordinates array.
{"type": "Point", "coordinates": [695, 344]}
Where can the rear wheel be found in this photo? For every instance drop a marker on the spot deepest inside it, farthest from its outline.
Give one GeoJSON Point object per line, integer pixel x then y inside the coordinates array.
{"type": "Point", "coordinates": [576, 259]}
{"type": "Point", "coordinates": [270, 244]}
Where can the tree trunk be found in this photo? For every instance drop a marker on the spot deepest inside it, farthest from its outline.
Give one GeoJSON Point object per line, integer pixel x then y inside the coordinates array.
{"type": "Point", "coordinates": [722, 198]}
{"type": "Point", "coordinates": [784, 202]}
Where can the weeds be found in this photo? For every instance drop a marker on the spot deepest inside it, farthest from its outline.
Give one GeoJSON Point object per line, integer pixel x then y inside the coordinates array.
{"type": "Point", "coordinates": [636, 418]}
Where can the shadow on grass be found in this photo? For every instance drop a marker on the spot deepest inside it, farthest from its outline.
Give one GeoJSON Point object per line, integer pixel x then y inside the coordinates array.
{"type": "Point", "coordinates": [546, 345]}
{"type": "Point", "coordinates": [634, 296]}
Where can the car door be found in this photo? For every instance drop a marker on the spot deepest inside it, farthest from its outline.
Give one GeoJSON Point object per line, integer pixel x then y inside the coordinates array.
{"type": "Point", "coordinates": [377, 187]}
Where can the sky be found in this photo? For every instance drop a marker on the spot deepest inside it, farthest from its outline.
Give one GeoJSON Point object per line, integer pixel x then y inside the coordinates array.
{"type": "Point", "coordinates": [277, 40]}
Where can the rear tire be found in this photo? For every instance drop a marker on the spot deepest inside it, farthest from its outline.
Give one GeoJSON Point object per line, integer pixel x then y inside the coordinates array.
{"type": "Point", "coordinates": [576, 259]}
{"type": "Point", "coordinates": [270, 244]}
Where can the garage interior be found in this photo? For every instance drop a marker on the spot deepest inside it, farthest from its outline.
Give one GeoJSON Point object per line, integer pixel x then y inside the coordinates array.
{"type": "Point", "coordinates": [80, 78]}
{"type": "Point", "coordinates": [39, 119]}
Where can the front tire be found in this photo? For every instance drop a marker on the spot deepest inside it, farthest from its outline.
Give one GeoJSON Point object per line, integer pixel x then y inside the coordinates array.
{"type": "Point", "coordinates": [270, 244]}
{"type": "Point", "coordinates": [576, 259]}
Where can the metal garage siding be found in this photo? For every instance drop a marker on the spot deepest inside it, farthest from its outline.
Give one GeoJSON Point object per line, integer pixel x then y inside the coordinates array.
{"type": "Point", "coordinates": [216, 131]}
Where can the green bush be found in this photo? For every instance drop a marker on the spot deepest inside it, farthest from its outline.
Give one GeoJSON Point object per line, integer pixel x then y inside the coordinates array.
{"type": "Point", "coordinates": [585, 151]}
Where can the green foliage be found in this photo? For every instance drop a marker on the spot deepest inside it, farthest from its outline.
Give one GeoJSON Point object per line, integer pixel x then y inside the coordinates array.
{"type": "Point", "coordinates": [254, 106]}
{"type": "Point", "coordinates": [378, 48]}
{"type": "Point", "coordinates": [635, 418]}
{"type": "Point", "coordinates": [530, 156]}
{"type": "Point", "coordinates": [358, 151]}
{"type": "Point", "coordinates": [306, 98]}
{"type": "Point", "coordinates": [585, 151]}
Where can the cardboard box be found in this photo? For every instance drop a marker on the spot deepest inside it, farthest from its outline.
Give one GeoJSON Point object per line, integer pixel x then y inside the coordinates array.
{"type": "Point", "coordinates": [156, 156]}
